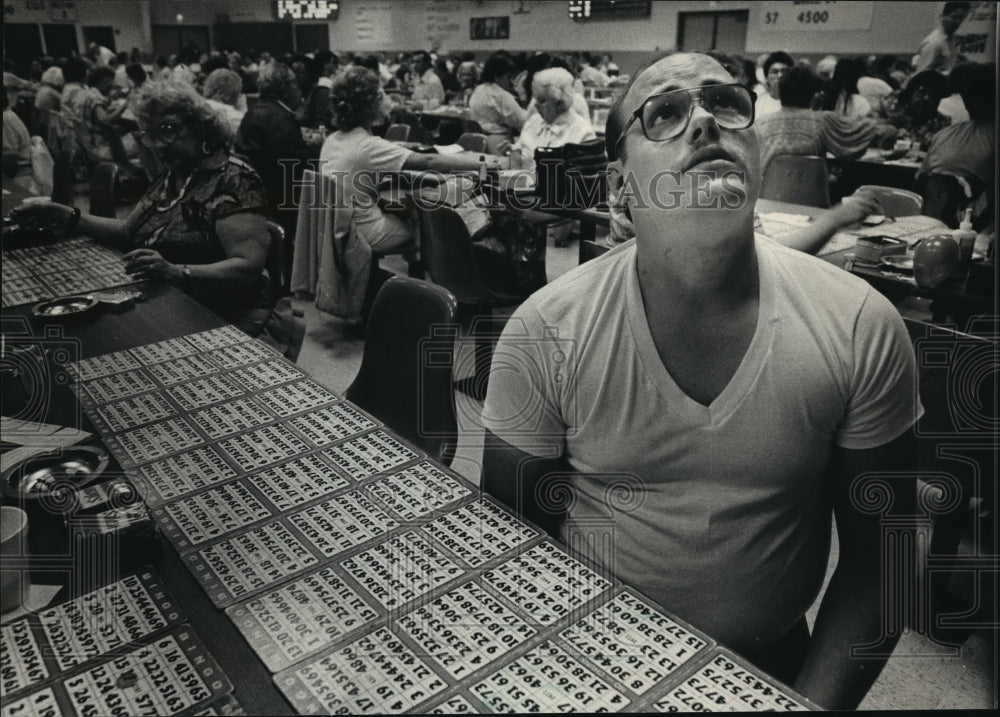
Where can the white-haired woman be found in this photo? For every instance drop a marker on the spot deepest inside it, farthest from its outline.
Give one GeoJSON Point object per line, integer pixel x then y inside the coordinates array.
{"type": "Point", "coordinates": [556, 123]}
{"type": "Point", "coordinates": [222, 89]}
{"type": "Point", "coordinates": [201, 225]}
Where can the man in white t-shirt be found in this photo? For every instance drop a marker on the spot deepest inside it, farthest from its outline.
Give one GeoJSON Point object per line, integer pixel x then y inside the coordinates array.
{"type": "Point", "coordinates": [705, 401]}
{"type": "Point", "coordinates": [775, 67]}
{"type": "Point", "coordinates": [427, 87]}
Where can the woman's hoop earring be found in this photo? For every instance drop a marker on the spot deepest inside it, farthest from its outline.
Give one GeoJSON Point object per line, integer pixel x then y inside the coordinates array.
{"type": "Point", "coordinates": [205, 148]}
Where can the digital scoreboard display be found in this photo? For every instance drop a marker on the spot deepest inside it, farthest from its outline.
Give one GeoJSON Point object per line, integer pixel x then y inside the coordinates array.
{"type": "Point", "coordinates": [307, 9]}
{"type": "Point", "coordinates": [609, 9]}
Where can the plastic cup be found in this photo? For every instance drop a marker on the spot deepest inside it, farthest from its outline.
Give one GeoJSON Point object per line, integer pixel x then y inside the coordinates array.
{"type": "Point", "coordinates": [14, 583]}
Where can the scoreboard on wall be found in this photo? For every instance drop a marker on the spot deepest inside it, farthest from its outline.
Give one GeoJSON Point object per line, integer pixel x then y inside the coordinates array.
{"type": "Point", "coordinates": [307, 9]}
{"type": "Point", "coordinates": [609, 9]}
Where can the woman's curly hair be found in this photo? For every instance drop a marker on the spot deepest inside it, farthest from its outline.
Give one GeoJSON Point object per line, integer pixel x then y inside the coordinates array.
{"type": "Point", "coordinates": [355, 98]}
{"type": "Point", "coordinates": [223, 85]}
{"type": "Point", "coordinates": [155, 99]}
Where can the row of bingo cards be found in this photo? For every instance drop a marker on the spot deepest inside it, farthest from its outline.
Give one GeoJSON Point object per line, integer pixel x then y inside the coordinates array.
{"type": "Point", "coordinates": [302, 618]}
{"type": "Point", "coordinates": [545, 583]}
{"type": "Point", "coordinates": [479, 532]}
{"type": "Point", "coordinates": [376, 674]}
{"type": "Point", "coordinates": [60, 638]}
{"type": "Point", "coordinates": [465, 629]}
{"type": "Point", "coordinates": [418, 491]}
{"type": "Point", "coordinates": [173, 674]}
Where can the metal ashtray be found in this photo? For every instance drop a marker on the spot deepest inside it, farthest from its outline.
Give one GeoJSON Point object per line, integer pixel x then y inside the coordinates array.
{"type": "Point", "coordinates": [34, 478]}
{"type": "Point", "coordinates": [65, 307]}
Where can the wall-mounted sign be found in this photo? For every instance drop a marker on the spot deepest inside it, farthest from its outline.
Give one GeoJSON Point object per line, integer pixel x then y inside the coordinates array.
{"type": "Point", "coordinates": [809, 16]}
{"type": "Point", "coordinates": [63, 10]}
{"type": "Point", "coordinates": [489, 28]}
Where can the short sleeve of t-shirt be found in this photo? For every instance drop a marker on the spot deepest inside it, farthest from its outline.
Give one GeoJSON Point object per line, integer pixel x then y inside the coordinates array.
{"type": "Point", "coordinates": [884, 399]}
{"type": "Point", "coordinates": [239, 190]}
{"type": "Point", "coordinates": [522, 404]}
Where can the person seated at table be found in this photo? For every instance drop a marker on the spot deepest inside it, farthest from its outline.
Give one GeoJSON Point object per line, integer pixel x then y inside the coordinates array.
{"type": "Point", "coordinates": [840, 94]}
{"type": "Point", "coordinates": [693, 408]}
{"type": "Point", "coordinates": [796, 129]}
{"type": "Point", "coordinates": [493, 106]}
{"type": "Point", "coordinates": [589, 74]}
{"type": "Point", "coordinates": [16, 140]}
{"type": "Point", "coordinates": [201, 226]}
{"type": "Point", "coordinates": [607, 65]}
{"type": "Point", "coordinates": [556, 122]}
{"type": "Point", "coordinates": [876, 84]}
{"type": "Point", "coordinates": [352, 150]}
{"type": "Point", "coordinates": [49, 95]}
{"type": "Point", "coordinates": [775, 66]}
{"type": "Point", "coordinates": [914, 109]}
{"type": "Point", "coordinates": [222, 90]}
{"type": "Point", "coordinates": [968, 149]}
{"type": "Point", "coordinates": [271, 139]}
{"type": "Point", "coordinates": [425, 85]}
{"type": "Point", "coordinates": [316, 111]}
{"type": "Point", "coordinates": [467, 76]}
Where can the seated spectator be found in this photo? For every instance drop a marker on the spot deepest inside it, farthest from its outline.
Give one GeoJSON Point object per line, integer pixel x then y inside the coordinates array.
{"type": "Point", "coordinates": [914, 110]}
{"type": "Point", "coordinates": [840, 94]}
{"type": "Point", "coordinates": [201, 226]}
{"type": "Point", "coordinates": [826, 66]}
{"type": "Point", "coordinates": [49, 95]}
{"type": "Point", "coordinates": [968, 149]}
{"type": "Point", "coordinates": [16, 141]}
{"type": "Point", "coordinates": [952, 106]}
{"type": "Point", "coordinates": [493, 106]}
{"type": "Point", "coordinates": [467, 77]}
{"type": "Point", "coordinates": [448, 79]}
{"type": "Point", "coordinates": [775, 66]}
{"type": "Point", "coordinates": [589, 74]}
{"type": "Point", "coordinates": [222, 90]}
{"type": "Point", "coordinates": [269, 135]}
{"type": "Point", "coordinates": [352, 150]}
{"type": "Point", "coordinates": [426, 86]}
{"type": "Point", "coordinates": [136, 76]}
{"type": "Point", "coordinates": [556, 122]}
{"type": "Point", "coordinates": [607, 65]}
{"type": "Point", "coordinates": [875, 85]}
{"type": "Point", "coordinates": [316, 110]}
{"type": "Point", "coordinates": [796, 129]}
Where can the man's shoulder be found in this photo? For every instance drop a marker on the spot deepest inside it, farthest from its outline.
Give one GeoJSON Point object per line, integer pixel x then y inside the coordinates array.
{"type": "Point", "coordinates": [584, 290]}
{"type": "Point", "coordinates": [807, 279]}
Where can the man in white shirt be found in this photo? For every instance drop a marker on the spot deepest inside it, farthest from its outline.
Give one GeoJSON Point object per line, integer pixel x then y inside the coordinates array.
{"type": "Point", "coordinates": [705, 401]}
{"type": "Point", "coordinates": [590, 75]}
{"type": "Point", "coordinates": [427, 87]}
{"type": "Point", "coordinates": [775, 66]}
{"type": "Point", "coordinates": [939, 51]}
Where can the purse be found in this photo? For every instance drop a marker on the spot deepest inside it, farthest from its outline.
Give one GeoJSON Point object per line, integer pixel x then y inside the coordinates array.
{"type": "Point", "coordinates": [572, 177]}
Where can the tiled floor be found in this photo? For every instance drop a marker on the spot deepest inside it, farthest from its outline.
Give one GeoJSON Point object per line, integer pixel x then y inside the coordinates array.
{"type": "Point", "coordinates": [919, 675]}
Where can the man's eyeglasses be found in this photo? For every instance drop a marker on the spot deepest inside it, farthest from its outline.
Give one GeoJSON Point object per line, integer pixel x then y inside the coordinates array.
{"type": "Point", "coordinates": [166, 131]}
{"type": "Point", "coordinates": [666, 115]}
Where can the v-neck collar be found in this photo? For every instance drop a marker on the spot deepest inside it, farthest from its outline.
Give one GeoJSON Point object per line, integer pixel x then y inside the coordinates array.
{"type": "Point", "coordinates": [750, 367]}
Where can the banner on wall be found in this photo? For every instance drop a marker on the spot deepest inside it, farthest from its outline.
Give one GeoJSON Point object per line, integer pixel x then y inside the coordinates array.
{"type": "Point", "coordinates": [976, 38]}
{"type": "Point", "coordinates": [440, 24]}
{"type": "Point", "coordinates": [819, 16]}
{"type": "Point", "coordinates": [373, 25]}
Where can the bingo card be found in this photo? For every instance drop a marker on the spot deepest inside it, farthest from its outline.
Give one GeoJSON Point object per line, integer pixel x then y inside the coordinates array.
{"type": "Point", "coordinates": [418, 491]}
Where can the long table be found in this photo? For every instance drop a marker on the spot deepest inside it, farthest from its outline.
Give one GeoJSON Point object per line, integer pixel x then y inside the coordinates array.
{"type": "Point", "coordinates": [467, 556]}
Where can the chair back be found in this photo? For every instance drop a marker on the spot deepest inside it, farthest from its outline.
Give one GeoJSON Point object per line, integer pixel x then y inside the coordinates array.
{"type": "Point", "coordinates": [447, 253]}
{"type": "Point", "coordinates": [797, 179]}
{"type": "Point", "coordinates": [895, 202]}
{"type": "Point", "coordinates": [573, 176]}
{"type": "Point", "coordinates": [275, 263]}
{"type": "Point", "coordinates": [398, 133]}
{"type": "Point", "coordinates": [945, 197]}
{"type": "Point", "coordinates": [405, 379]}
{"type": "Point", "coordinates": [102, 190]}
{"type": "Point", "coordinates": [473, 142]}
{"type": "Point", "coordinates": [418, 133]}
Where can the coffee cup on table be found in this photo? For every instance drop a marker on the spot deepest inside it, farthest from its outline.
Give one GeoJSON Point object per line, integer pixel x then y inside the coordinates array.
{"type": "Point", "coordinates": [14, 582]}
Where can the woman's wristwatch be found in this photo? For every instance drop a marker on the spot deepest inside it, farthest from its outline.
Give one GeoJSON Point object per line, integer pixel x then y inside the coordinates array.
{"type": "Point", "coordinates": [185, 277]}
{"type": "Point", "coordinates": [73, 221]}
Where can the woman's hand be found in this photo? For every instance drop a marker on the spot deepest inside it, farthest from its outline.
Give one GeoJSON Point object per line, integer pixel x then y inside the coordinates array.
{"type": "Point", "coordinates": [43, 213]}
{"type": "Point", "coordinates": [148, 264]}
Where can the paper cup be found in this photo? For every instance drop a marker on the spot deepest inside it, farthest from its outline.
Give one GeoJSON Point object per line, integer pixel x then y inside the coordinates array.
{"type": "Point", "coordinates": [14, 583]}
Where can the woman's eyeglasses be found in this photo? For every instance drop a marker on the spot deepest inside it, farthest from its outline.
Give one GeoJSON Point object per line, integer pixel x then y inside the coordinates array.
{"type": "Point", "coordinates": [666, 115]}
{"type": "Point", "coordinates": [166, 131]}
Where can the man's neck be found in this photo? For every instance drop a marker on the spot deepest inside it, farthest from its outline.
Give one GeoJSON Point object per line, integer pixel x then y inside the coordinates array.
{"type": "Point", "coordinates": [694, 277]}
